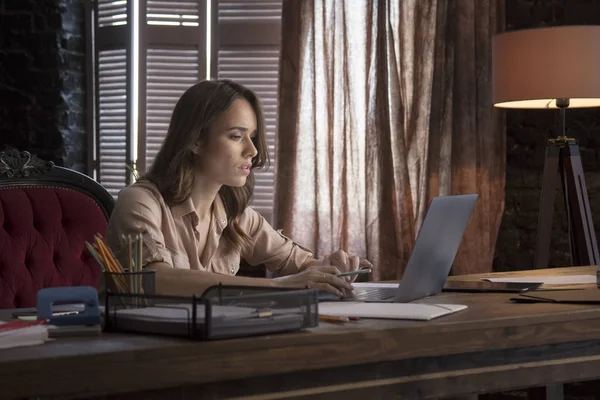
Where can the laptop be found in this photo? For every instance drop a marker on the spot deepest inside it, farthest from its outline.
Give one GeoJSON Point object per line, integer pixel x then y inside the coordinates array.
{"type": "Point", "coordinates": [432, 257]}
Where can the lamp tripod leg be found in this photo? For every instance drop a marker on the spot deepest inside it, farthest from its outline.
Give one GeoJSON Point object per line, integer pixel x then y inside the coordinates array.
{"type": "Point", "coordinates": [562, 155]}
{"type": "Point", "coordinates": [549, 186]}
{"type": "Point", "coordinates": [582, 236]}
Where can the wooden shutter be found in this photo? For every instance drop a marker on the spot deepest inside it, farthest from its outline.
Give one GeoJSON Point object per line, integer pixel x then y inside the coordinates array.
{"type": "Point", "coordinates": [169, 73]}
{"type": "Point", "coordinates": [172, 54]}
{"type": "Point", "coordinates": [247, 51]}
{"type": "Point", "coordinates": [173, 45]}
{"type": "Point", "coordinates": [112, 13]}
{"type": "Point", "coordinates": [112, 119]}
{"type": "Point", "coordinates": [110, 25]}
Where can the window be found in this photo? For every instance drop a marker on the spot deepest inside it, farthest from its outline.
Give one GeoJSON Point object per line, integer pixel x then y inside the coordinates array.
{"type": "Point", "coordinates": [145, 53]}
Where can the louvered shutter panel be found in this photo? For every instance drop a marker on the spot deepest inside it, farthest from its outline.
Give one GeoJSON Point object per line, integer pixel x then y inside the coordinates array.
{"type": "Point", "coordinates": [173, 13]}
{"type": "Point", "coordinates": [112, 119]}
{"type": "Point", "coordinates": [174, 49]}
{"type": "Point", "coordinates": [112, 13]}
{"type": "Point", "coordinates": [111, 35]}
{"type": "Point", "coordinates": [169, 73]}
{"type": "Point", "coordinates": [249, 42]}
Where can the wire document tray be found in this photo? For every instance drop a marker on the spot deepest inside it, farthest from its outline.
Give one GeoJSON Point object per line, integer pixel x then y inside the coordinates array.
{"type": "Point", "coordinates": [220, 312]}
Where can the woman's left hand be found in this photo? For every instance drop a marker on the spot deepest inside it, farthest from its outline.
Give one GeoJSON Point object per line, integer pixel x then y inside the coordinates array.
{"type": "Point", "coordinates": [346, 262]}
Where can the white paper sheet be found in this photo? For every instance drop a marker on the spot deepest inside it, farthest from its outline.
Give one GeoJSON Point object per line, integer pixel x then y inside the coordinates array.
{"type": "Point", "coordinates": [411, 311]}
{"type": "Point", "coordinates": [548, 280]}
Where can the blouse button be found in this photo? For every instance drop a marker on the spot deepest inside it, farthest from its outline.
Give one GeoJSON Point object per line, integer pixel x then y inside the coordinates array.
{"type": "Point", "coordinates": [232, 271]}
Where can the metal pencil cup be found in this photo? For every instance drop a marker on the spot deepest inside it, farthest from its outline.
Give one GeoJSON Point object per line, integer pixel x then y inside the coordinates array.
{"type": "Point", "coordinates": [137, 288]}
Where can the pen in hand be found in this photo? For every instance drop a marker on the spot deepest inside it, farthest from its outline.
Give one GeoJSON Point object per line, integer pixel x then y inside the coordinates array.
{"type": "Point", "coordinates": [357, 272]}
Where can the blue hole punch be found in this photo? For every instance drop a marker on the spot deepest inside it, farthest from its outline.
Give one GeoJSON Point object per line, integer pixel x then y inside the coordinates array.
{"type": "Point", "coordinates": [76, 295]}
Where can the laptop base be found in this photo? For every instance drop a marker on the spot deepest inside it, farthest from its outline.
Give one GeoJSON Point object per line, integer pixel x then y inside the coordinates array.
{"type": "Point", "coordinates": [378, 295]}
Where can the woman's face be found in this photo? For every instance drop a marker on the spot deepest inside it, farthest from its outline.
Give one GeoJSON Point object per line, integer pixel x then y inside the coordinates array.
{"type": "Point", "coordinates": [226, 157]}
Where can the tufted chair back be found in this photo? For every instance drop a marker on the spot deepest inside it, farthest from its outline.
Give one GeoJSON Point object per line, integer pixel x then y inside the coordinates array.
{"type": "Point", "coordinates": [46, 215]}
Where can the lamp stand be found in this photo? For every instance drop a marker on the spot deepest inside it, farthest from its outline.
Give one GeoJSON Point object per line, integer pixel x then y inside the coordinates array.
{"type": "Point", "coordinates": [563, 162]}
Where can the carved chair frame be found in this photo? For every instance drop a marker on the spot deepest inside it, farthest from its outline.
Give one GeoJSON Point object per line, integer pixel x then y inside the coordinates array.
{"type": "Point", "coordinates": [22, 169]}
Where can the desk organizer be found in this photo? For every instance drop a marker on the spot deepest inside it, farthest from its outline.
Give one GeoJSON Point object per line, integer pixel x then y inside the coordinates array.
{"type": "Point", "coordinates": [221, 312]}
{"type": "Point", "coordinates": [135, 282]}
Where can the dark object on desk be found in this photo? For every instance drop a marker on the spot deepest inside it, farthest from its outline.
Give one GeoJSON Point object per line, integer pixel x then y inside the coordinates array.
{"type": "Point", "coordinates": [49, 212]}
{"type": "Point", "coordinates": [574, 296]}
{"type": "Point", "coordinates": [220, 312]}
{"type": "Point", "coordinates": [489, 287]}
{"type": "Point", "coordinates": [61, 331]}
{"type": "Point", "coordinates": [85, 295]}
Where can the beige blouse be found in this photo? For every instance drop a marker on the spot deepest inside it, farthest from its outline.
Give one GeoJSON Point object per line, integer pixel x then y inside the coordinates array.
{"type": "Point", "coordinates": [170, 235]}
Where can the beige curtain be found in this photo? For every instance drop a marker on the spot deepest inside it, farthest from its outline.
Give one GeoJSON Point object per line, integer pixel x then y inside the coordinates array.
{"type": "Point", "coordinates": [385, 104]}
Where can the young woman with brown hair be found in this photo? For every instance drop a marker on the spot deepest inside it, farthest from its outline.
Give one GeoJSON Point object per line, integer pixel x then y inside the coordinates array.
{"type": "Point", "coordinates": [192, 205]}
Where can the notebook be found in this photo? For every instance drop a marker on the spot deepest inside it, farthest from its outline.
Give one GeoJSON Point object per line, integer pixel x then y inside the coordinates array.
{"type": "Point", "coordinates": [410, 311]}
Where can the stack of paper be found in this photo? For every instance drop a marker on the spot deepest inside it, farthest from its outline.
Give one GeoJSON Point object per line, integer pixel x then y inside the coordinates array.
{"type": "Point", "coordinates": [20, 333]}
{"type": "Point", "coordinates": [182, 313]}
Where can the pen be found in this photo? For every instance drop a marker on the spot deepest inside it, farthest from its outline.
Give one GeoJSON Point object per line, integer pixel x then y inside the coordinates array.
{"type": "Point", "coordinates": [332, 318]}
{"type": "Point", "coordinates": [358, 271]}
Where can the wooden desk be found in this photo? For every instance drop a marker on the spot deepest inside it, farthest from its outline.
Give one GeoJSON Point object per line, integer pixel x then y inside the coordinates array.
{"type": "Point", "coordinates": [493, 345]}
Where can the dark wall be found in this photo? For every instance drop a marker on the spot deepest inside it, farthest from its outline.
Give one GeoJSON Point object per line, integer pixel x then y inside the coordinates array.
{"type": "Point", "coordinates": [42, 79]}
{"type": "Point", "coordinates": [527, 131]}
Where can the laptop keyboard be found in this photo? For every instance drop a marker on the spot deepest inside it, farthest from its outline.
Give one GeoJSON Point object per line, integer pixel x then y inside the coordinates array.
{"type": "Point", "coordinates": [371, 294]}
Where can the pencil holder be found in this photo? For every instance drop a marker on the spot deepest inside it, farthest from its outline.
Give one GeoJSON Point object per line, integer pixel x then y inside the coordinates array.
{"type": "Point", "coordinates": [140, 283]}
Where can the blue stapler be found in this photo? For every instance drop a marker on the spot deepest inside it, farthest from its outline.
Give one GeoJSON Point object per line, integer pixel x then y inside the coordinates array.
{"type": "Point", "coordinates": [76, 295]}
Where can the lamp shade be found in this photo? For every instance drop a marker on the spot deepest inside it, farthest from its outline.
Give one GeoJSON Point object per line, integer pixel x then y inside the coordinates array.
{"type": "Point", "coordinates": [534, 67]}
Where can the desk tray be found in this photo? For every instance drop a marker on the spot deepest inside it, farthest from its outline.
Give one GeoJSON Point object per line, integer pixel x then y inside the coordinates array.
{"type": "Point", "coordinates": [221, 312]}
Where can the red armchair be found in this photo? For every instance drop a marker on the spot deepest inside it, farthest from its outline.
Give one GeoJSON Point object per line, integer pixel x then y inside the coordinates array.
{"type": "Point", "coordinates": [46, 215]}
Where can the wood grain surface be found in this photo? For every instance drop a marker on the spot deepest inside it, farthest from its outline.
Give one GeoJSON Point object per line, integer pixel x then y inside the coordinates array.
{"type": "Point", "coordinates": [495, 344]}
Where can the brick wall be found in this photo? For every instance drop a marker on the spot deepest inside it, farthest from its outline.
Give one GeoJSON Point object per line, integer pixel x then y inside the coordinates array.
{"type": "Point", "coordinates": [42, 79]}
{"type": "Point", "coordinates": [527, 131]}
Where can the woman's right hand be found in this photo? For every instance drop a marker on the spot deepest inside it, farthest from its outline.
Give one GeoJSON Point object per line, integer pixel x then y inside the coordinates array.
{"type": "Point", "coordinates": [321, 277]}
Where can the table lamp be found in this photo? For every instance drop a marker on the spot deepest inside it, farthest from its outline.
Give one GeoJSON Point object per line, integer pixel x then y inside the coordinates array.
{"type": "Point", "coordinates": [554, 68]}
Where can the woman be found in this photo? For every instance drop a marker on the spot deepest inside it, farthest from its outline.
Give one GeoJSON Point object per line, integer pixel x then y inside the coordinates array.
{"type": "Point", "coordinates": [192, 205]}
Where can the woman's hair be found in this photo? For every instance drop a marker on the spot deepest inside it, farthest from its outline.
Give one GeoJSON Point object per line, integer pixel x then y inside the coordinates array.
{"type": "Point", "coordinates": [175, 165]}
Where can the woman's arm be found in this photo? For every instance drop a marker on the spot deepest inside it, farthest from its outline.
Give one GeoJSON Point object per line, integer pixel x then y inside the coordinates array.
{"type": "Point", "coordinates": [185, 282]}
{"type": "Point", "coordinates": [284, 256]}
{"type": "Point", "coordinates": [279, 253]}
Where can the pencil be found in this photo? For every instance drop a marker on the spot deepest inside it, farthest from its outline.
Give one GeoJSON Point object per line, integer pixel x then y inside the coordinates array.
{"type": "Point", "coordinates": [130, 264]}
{"type": "Point", "coordinates": [110, 263]}
{"type": "Point", "coordinates": [139, 262]}
{"type": "Point", "coordinates": [333, 318]}
{"type": "Point", "coordinates": [95, 255]}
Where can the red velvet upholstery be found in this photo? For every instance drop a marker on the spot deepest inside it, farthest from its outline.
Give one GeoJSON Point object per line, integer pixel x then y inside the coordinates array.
{"type": "Point", "coordinates": [43, 230]}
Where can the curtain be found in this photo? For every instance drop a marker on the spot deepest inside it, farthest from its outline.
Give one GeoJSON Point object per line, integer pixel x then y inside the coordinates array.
{"type": "Point", "coordinates": [383, 105]}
